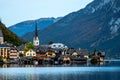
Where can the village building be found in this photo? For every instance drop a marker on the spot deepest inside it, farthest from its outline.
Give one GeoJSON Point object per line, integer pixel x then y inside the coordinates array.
{"type": "Point", "coordinates": [50, 54]}
{"type": "Point", "coordinates": [64, 59]}
{"type": "Point", "coordinates": [14, 53]}
{"type": "Point", "coordinates": [70, 51]}
{"type": "Point", "coordinates": [30, 53]}
{"type": "Point", "coordinates": [4, 51]}
{"type": "Point", "coordinates": [21, 49]}
{"type": "Point", "coordinates": [83, 53]}
{"type": "Point", "coordinates": [40, 52]}
{"type": "Point", "coordinates": [75, 54]}
{"type": "Point", "coordinates": [100, 55]}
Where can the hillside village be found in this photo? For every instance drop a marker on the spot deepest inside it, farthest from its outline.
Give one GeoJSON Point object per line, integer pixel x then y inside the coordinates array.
{"type": "Point", "coordinates": [52, 53]}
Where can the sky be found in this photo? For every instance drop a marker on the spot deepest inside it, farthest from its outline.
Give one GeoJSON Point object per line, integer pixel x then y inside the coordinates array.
{"type": "Point", "coordinates": [15, 11]}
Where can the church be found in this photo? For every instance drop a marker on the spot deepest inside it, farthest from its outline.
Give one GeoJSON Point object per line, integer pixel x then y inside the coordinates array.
{"type": "Point", "coordinates": [43, 48]}
{"type": "Point", "coordinates": [36, 38]}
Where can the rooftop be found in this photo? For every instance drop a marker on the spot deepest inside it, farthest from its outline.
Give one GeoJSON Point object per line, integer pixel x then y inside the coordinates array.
{"type": "Point", "coordinates": [4, 45]}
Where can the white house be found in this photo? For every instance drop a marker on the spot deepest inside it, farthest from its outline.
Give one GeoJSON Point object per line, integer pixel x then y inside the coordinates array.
{"type": "Point", "coordinates": [58, 46]}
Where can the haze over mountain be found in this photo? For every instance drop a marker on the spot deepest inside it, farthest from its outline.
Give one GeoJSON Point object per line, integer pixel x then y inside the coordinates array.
{"type": "Point", "coordinates": [95, 26]}
{"type": "Point", "coordinates": [28, 26]}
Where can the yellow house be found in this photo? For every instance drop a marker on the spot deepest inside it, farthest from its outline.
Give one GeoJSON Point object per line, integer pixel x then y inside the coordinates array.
{"type": "Point", "coordinates": [30, 53]}
{"type": "Point", "coordinates": [74, 54]}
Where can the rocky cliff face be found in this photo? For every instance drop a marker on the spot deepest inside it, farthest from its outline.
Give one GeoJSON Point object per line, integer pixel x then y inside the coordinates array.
{"type": "Point", "coordinates": [95, 26]}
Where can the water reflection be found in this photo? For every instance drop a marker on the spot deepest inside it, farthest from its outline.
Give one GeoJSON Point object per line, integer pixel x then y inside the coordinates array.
{"type": "Point", "coordinates": [58, 73]}
{"type": "Point", "coordinates": [49, 65]}
{"type": "Point", "coordinates": [61, 72]}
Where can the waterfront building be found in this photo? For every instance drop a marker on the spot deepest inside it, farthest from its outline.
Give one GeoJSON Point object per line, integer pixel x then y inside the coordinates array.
{"type": "Point", "coordinates": [75, 54]}
{"type": "Point", "coordinates": [14, 53]}
{"type": "Point", "coordinates": [100, 55]}
{"type": "Point", "coordinates": [4, 51]}
{"type": "Point", "coordinates": [70, 51]}
{"type": "Point", "coordinates": [50, 53]}
{"type": "Point", "coordinates": [83, 53]}
{"type": "Point", "coordinates": [40, 53]}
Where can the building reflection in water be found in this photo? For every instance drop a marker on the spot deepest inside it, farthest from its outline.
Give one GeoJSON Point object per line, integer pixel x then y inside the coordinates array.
{"type": "Point", "coordinates": [31, 73]}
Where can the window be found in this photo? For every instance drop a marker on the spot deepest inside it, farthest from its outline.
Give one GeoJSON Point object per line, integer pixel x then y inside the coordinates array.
{"type": "Point", "coordinates": [33, 54]}
{"type": "Point", "coordinates": [54, 45]}
{"type": "Point", "coordinates": [27, 53]}
{"type": "Point", "coordinates": [59, 45]}
{"type": "Point", "coordinates": [30, 50]}
{"type": "Point", "coordinates": [37, 43]}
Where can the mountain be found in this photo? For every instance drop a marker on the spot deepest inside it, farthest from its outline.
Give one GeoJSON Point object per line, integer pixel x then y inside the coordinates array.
{"type": "Point", "coordinates": [95, 26]}
{"type": "Point", "coordinates": [9, 36]}
{"type": "Point", "coordinates": [28, 26]}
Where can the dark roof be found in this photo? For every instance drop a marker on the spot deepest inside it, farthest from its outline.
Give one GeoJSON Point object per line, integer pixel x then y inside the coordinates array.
{"type": "Point", "coordinates": [1, 34]}
{"type": "Point", "coordinates": [82, 52]}
{"type": "Point", "coordinates": [21, 47]}
{"type": "Point", "coordinates": [97, 53]}
{"type": "Point", "coordinates": [71, 50]}
{"type": "Point", "coordinates": [4, 45]}
{"type": "Point", "coordinates": [13, 48]}
{"type": "Point", "coordinates": [44, 47]}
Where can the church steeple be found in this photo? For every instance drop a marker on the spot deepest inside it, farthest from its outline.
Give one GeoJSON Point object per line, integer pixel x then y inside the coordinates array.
{"type": "Point", "coordinates": [36, 32]}
{"type": "Point", "coordinates": [36, 39]}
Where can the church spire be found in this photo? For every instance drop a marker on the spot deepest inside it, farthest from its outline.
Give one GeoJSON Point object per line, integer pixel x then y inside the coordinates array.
{"type": "Point", "coordinates": [36, 39]}
{"type": "Point", "coordinates": [36, 32]}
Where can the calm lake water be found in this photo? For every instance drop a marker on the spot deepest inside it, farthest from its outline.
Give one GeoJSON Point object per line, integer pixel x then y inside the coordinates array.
{"type": "Point", "coordinates": [104, 71]}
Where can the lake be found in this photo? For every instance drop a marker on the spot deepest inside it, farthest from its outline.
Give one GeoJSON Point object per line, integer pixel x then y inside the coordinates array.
{"type": "Point", "coordinates": [104, 71]}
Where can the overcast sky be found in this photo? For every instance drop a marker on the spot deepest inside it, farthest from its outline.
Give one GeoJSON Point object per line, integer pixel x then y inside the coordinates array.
{"type": "Point", "coordinates": [15, 11]}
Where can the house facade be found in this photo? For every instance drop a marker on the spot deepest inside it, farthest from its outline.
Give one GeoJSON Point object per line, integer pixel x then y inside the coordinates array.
{"type": "Point", "coordinates": [4, 51]}
{"type": "Point", "coordinates": [14, 53]}
{"type": "Point", "coordinates": [30, 53]}
{"type": "Point", "coordinates": [21, 49]}
{"type": "Point", "coordinates": [100, 55]}
{"type": "Point", "coordinates": [50, 53]}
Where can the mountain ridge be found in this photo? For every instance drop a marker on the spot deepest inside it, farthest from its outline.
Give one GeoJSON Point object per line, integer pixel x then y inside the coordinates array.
{"type": "Point", "coordinates": [28, 26]}
{"type": "Point", "coordinates": [95, 26]}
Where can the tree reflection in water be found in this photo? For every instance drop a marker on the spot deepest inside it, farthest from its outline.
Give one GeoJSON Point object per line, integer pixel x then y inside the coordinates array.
{"type": "Point", "coordinates": [63, 72]}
